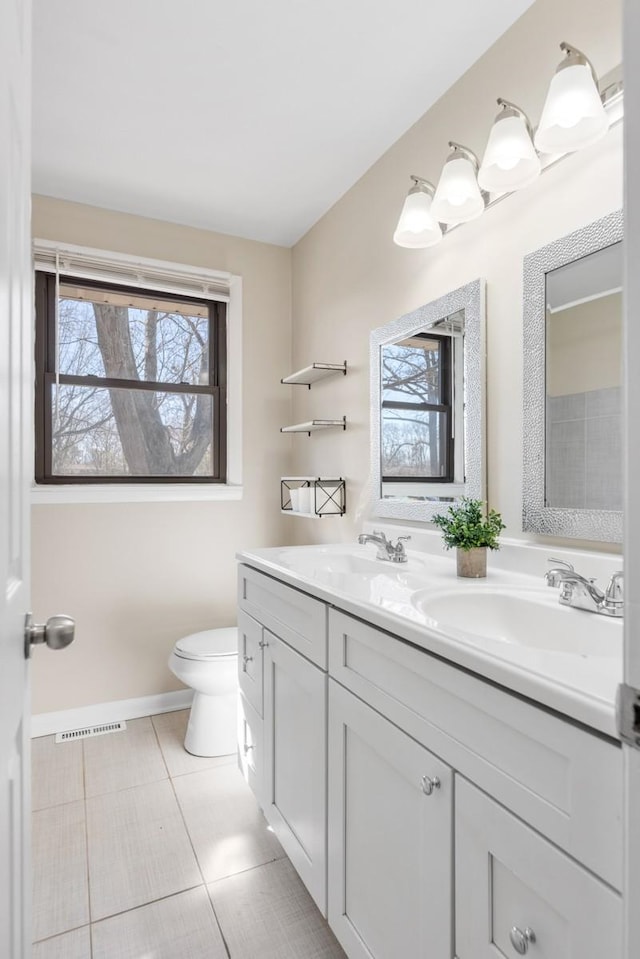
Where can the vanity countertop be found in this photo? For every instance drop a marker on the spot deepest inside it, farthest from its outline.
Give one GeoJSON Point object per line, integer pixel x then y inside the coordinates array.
{"type": "Point", "coordinates": [506, 628]}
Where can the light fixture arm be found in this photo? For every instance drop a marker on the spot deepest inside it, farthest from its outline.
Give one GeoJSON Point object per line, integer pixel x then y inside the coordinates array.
{"type": "Point", "coordinates": [457, 151]}
{"type": "Point", "coordinates": [420, 185]}
{"type": "Point", "coordinates": [511, 110]}
{"type": "Point", "coordinates": [575, 57]}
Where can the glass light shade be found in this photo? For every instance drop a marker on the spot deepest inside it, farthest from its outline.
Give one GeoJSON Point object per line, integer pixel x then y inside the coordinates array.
{"type": "Point", "coordinates": [457, 198]}
{"type": "Point", "coordinates": [510, 160]}
{"type": "Point", "coordinates": [573, 116]}
{"type": "Point", "coordinates": [417, 228]}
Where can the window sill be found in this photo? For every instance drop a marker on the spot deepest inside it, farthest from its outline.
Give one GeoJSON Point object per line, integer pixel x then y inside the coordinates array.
{"type": "Point", "coordinates": [112, 493]}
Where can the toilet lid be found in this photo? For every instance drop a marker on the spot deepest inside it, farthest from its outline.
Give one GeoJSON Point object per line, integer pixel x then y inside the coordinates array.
{"type": "Point", "coordinates": [209, 644]}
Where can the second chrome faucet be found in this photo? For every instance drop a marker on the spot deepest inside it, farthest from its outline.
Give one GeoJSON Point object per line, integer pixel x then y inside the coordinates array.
{"type": "Point", "coordinates": [582, 593]}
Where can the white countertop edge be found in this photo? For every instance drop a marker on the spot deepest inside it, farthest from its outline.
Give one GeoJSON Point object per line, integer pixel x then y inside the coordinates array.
{"type": "Point", "coordinates": [597, 714]}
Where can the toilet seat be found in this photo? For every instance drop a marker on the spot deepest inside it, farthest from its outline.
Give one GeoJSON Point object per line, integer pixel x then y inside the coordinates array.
{"type": "Point", "coordinates": [210, 644]}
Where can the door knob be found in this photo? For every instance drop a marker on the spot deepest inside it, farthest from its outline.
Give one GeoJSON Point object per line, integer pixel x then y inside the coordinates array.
{"type": "Point", "coordinates": [521, 940]}
{"type": "Point", "coordinates": [245, 662]}
{"type": "Point", "coordinates": [428, 784]}
{"type": "Point", "coordinates": [57, 632]}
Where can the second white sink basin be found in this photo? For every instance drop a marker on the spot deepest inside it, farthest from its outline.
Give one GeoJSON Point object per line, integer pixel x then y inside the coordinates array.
{"type": "Point", "coordinates": [521, 618]}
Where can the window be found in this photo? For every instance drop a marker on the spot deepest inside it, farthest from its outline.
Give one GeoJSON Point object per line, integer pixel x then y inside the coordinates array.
{"type": "Point", "coordinates": [417, 440]}
{"type": "Point", "coordinates": [130, 384]}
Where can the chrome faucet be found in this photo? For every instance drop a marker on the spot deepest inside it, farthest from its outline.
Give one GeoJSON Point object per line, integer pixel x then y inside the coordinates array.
{"type": "Point", "coordinates": [386, 549]}
{"type": "Point", "coordinates": [582, 593]}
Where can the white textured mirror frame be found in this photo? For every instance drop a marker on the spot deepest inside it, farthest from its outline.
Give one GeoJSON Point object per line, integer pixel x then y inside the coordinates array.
{"type": "Point", "coordinates": [590, 524]}
{"type": "Point", "coordinates": [471, 299]}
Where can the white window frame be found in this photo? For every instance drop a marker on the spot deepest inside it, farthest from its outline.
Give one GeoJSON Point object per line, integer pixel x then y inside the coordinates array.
{"type": "Point", "coordinates": [164, 277]}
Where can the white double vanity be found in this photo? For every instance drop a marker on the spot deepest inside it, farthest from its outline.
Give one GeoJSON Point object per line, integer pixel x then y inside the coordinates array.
{"type": "Point", "coordinates": [438, 758]}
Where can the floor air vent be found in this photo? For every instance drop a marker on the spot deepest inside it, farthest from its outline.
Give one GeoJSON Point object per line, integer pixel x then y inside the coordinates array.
{"type": "Point", "coordinates": [90, 731]}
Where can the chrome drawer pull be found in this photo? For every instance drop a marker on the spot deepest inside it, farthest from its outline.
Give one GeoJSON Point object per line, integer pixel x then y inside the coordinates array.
{"type": "Point", "coordinates": [520, 940]}
{"type": "Point", "coordinates": [428, 784]}
{"type": "Point", "coordinates": [245, 661]}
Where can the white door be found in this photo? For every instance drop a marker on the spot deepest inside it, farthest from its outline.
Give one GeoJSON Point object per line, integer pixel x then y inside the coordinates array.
{"type": "Point", "coordinates": [632, 503]}
{"type": "Point", "coordinates": [390, 838]}
{"type": "Point", "coordinates": [15, 459]}
{"type": "Point", "coordinates": [295, 716]}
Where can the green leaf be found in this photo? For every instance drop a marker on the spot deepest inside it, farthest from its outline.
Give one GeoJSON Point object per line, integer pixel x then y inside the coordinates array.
{"type": "Point", "coordinates": [464, 526]}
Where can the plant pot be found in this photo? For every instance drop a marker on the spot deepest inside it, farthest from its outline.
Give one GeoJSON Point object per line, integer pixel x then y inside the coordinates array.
{"type": "Point", "coordinates": [472, 563]}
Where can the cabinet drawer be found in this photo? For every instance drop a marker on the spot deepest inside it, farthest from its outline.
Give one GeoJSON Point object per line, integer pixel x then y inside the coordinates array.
{"type": "Point", "coordinates": [564, 780]}
{"type": "Point", "coordinates": [250, 659]}
{"type": "Point", "coordinates": [508, 877]}
{"type": "Point", "coordinates": [293, 616]}
{"type": "Point", "coordinates": [251, 748]}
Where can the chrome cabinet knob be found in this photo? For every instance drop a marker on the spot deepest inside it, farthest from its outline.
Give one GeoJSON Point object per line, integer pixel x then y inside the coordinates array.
{"type": "Point", "coordinates": [247, 747]}
{"type": "Point", "coordinates": [57, 632]}
{"type": "Point", "coordinates": [262, 644]}
{"type": "Point", "coordinates": [521, 940]}
{"type": "Point", "coordinates": [429, 784]}
{"type": "Point", "coordinates": [245, 662]}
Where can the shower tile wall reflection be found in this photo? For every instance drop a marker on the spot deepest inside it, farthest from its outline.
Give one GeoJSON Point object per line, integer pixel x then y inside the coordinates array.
{"type": "Point", "coordinates": [584, 450]}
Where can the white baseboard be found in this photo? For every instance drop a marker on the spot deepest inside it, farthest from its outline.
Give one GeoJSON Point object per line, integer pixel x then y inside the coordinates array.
{"type": "Point", "coordinates": [45, 724]}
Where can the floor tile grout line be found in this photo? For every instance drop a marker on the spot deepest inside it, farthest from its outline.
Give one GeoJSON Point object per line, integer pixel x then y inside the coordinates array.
{"type": "Point", "coordinates": [243, 872]}
{"type": "Point", "coordinates": [86, 840]}
{"type": "Point", "coordinates": [164, 760]}
{"type": "Point", "coordinates": [182, 816]}
{"type": "Point", "coordinates": [151, 902]}
{"type": "Point", "coordinates": [57, 935]}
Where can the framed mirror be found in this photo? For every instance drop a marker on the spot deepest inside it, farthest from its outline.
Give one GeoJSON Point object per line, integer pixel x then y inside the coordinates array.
{"type": "Point", "coordinates": [573, 385]}
{"type": "Point", "coordinates": [428, 406]}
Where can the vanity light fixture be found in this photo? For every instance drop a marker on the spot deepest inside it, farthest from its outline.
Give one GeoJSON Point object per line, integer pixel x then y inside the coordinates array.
{"type": "Point", "coordinates": [417, 228]}
{"type": "Point", "coordinates": [510, 159]}
{"type": "Point", "coordinates": [573, 116]}
{"type": "Point", "coordinates": [458, 198]}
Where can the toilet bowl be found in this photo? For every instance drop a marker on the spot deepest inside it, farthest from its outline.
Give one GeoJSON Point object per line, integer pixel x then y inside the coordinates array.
{"type": "Point", "coordinates": [208, 663]}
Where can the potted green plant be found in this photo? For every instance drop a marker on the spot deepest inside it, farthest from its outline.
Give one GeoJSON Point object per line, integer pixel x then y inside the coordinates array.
{"type": "Point", "coordinates": [467, 528]}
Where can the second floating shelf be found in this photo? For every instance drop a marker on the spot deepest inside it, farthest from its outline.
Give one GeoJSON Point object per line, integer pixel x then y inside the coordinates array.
{"type": "Point", "coordinates": [311, 374]}
{"type": "Point", "coordinates": [312, 425]}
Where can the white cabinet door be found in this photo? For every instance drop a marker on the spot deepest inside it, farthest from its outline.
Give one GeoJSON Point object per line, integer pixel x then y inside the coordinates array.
{"type": "Point", "coordinates": [251, 748]}
{"type": "Point", "coordinates": [390, 838]}
{"type": "Point", "coordinates": [295, 716]}
{"type": "Point", "coordinates": [250, 659]}
{"type": "Point", "coordinates": [517, 894]}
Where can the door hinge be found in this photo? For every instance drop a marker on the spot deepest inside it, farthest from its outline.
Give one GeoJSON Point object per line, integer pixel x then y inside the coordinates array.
{"type": "Point", "coordinates": [628, 714]}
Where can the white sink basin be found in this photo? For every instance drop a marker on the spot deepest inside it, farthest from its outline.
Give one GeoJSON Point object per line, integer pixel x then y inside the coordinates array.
{"type": "Point", "coordinates": [531, 619]}
{"type": "Point", "coordinates": [354, 569]}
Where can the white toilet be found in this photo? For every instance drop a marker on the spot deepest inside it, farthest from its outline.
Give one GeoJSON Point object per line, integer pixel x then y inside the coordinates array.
{"type": "Point", "coordinates": [208, 662]}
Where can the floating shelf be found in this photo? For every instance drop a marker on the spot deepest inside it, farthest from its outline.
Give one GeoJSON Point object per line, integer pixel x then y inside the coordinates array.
{"type": "Point", "coordinates": [311, 374]}
{"type": "Point", "coordinates": [321, 496]}
{"type": "Point", "coordinates": [312, 425]}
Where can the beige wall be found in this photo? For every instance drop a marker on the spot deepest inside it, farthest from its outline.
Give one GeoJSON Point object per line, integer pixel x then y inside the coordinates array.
{"type": "Point", "coordinates": [138, 576]}
{"type": "Point", "coordinates": [348, 277]}
{"type": "Point", "coordinates": [584, 347]}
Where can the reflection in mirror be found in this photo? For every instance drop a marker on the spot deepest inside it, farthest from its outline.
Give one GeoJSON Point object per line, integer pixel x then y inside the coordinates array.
{"type": "Point", "coordinates": [584, 383]}
{"type": "Point", "coordinates": [418, 442]}
{"type": "Point", "coordinates": [572, 478]}
{"type": "Point", "coordinates": [427, 394]}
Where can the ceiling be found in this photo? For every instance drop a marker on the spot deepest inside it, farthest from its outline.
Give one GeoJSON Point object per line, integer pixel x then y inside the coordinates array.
{"type": "Point", "coordinates": [246, 117]}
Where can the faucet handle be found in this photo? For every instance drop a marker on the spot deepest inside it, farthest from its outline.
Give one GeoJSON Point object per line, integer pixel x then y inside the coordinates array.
{"type": "Point", "coordinates": [614, 594]}
{"type": "Point", "coordinates": [380, 533]}
{"type": "Point", "coordinates": [552, 576]}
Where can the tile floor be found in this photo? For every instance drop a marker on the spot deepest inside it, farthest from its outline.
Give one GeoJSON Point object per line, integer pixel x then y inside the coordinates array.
{"type": "Point", "coordinates": [141, 851]}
